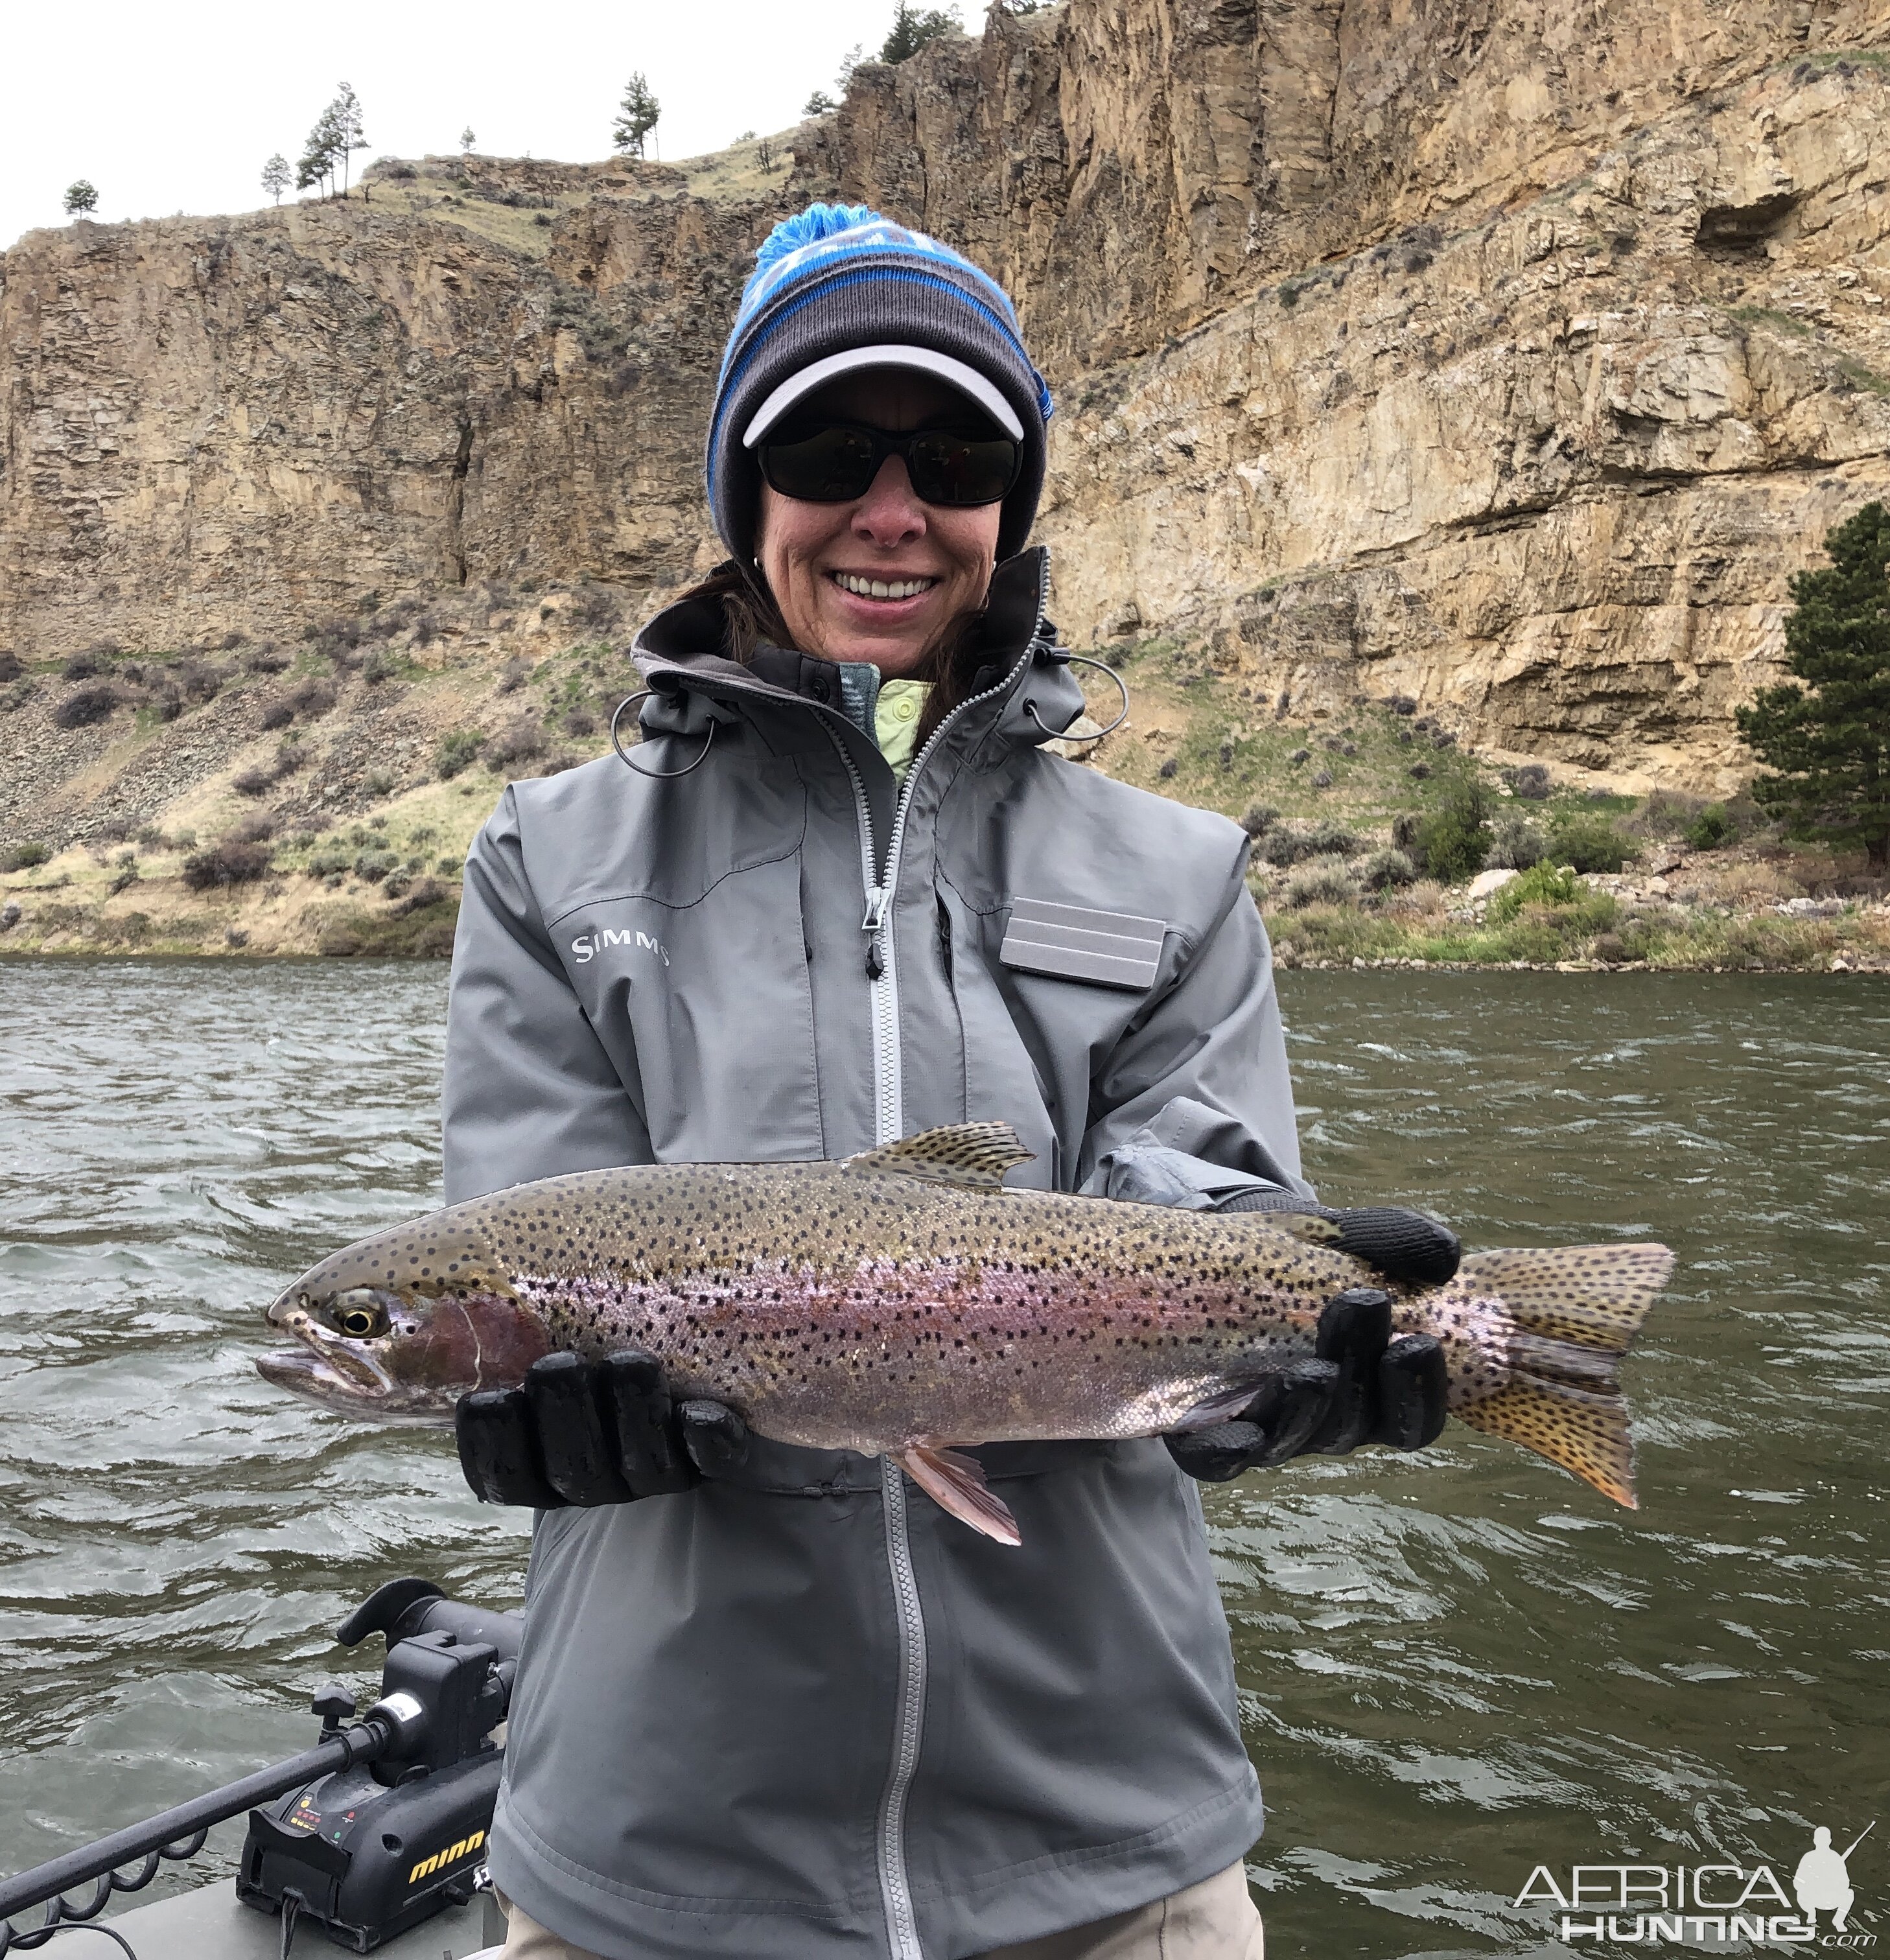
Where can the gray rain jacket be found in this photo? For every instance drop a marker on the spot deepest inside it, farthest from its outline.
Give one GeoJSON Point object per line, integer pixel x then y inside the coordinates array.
{"type": "Point", "coordinates": [801, 1711]}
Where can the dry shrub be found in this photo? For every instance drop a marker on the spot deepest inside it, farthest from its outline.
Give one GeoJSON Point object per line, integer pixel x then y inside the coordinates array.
{"type": "Point", "coordinates": [225, 864]}
{"type": "Point", "coordinates": [198, 680]}
{"type": "Point", "coordinates": [85, 706]}
{"type": "Point", "coordinates": [1325, 881]}
{"type": "Point", "coordinates": [1386, 870]}
{"type": "Point", "coordinates": [312, 697]}
{"type": "Point", "coordinates": [428, 891]}
{"type": "Point", "coordinates": [1516, 841]}
{"type": "Point", "coordinates": [518, 741]}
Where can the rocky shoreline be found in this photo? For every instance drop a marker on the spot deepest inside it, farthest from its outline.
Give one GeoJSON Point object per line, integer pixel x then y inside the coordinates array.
{"type": "Point", "coordinates": [384, 890]}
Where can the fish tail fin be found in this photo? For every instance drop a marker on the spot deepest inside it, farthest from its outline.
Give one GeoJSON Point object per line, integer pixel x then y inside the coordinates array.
{"type": "Point", "coordinates": [1577, 1309]}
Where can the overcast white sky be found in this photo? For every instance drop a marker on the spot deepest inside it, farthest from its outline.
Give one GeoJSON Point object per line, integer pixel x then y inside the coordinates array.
{"type": "Point", "coordinates": [175, 106]}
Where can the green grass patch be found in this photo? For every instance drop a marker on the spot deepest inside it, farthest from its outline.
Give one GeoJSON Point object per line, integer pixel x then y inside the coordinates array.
{"type": "Point", "coordinates": [424, 933]}
{"type": "Point", "coordinates": [1868, 379]}
{"type": "Point", "coordinates": [1786, 322]}
{"type": "Point", "coordinates": [1543, 884]}
{"type": "Point", "coordinates": [1229, 752]}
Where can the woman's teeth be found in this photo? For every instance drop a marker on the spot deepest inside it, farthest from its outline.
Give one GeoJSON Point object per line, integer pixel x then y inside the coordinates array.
{"type": "Point", "coordinates": [883, 588]}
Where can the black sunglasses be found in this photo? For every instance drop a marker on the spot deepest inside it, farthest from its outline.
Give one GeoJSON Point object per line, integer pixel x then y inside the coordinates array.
{"type": "Point", "coordinates": [833, 462]}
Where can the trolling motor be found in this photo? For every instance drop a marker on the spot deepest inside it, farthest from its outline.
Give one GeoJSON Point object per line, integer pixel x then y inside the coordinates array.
{"type": "Point", "coordinates": [381, 1825]}
{"type": "Point", "coordinates": [371, 1849]}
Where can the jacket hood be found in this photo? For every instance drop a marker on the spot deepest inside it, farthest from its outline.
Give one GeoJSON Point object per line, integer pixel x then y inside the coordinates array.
{"type": "Point", "coordinates": [676, 653]}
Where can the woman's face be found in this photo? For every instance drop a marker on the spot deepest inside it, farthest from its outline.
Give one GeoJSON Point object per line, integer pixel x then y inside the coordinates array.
{"type": "Point", "coordinates": [813, 555]}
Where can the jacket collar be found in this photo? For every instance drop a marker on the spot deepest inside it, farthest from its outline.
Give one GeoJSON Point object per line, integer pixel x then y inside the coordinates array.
{"type": "Point", "coordinates": [675, 653]}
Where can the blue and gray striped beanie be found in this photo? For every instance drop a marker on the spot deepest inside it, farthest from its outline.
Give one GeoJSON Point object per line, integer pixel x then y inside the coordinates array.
{"type": "Point", "coordinates": [838, 281]}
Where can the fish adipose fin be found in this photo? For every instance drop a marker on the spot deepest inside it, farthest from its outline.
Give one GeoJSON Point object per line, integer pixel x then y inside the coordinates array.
{"type": "Point", "coordinates": [1578, 1308]}
{"type": "Point", "coordinates": [973, 1155]}
{"type": "Point", "coordinates": [956, 1483]}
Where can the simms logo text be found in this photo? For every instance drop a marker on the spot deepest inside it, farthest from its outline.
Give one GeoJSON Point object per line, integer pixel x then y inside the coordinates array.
{"type": "Point", "coordinates": [586, 946]}
{"type": "Point", "coordinates": [450, 1856]}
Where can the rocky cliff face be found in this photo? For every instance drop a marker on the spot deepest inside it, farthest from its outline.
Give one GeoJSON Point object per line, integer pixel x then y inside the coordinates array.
{"type": "Point", "coordinates": [1506, 355]}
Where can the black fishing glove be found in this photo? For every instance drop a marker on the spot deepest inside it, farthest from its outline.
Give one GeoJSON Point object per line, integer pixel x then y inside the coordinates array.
{"type": "Point", "coordinates": [579, 1432]}
{"type": "Point", "coordinates": [1360, 1386]}
{"type": "Point", "coordinates": [1404, 1245]}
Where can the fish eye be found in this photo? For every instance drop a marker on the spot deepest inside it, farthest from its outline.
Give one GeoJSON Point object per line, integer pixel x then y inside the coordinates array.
{"type": "Point", "coordinates": [363, 1320]}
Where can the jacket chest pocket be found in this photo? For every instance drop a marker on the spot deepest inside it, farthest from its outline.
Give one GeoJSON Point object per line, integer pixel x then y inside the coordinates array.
{"type": "Point", "coordinates": [1113, 949]}
{"type": "Point", "coordinates": [712, 1030]}
{"type": "Point", "coordinates": [1041, 1012]}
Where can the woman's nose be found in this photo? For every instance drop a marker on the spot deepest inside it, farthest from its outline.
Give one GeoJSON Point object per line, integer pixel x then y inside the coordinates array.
{"type": "Point", "coordinates": [889, 513]}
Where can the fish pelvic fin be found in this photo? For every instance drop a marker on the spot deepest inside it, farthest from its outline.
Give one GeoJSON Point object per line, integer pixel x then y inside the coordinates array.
{"type": "Point", "coordinates": [956, 1483]}
{"type": "Point", "coordinates": [1577, 1309]}
{"type": "Point", "coordinates": [973, 1155]}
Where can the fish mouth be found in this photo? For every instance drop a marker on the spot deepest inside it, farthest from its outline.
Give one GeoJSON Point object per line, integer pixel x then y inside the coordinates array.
{"type": "Point", "coordinates": [327, 1363]}
{"type": "Point", "coordinates": [316, 1377]}
{"type": "Point", "coordinates": [307, 1374]}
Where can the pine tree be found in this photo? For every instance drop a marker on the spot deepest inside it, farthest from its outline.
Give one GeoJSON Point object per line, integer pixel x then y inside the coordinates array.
{"type": "Point", "coordinates": [320, 154]}
{"type": "Point", "coordinates": [636, 117]}
{"type": "Point", "coordinates": [81, 199]}
{"type": "Point", "coordinates": [467, 139]}
{"type": "Point", "coordinates": [913, 27]}
{"type": "Point", "coordinates": [276, 175]}
{"type": "Point", "coordinates": [818, 104]}
{"type": "Point", "coordinates": [346, 110]}
{"type": "Point", "coordinates": [1830, 747]}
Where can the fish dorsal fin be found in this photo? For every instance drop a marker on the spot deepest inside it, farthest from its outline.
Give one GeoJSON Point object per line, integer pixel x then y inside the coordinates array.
{"type": "Point", "coordinates": [973, 1155]}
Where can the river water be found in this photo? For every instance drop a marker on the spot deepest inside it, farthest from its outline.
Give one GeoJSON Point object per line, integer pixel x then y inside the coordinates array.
{"type": "Point", "coordinates": [1454, 1667]}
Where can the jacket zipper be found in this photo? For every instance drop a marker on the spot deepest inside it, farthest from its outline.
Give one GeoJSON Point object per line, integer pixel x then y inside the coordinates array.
{"type": "Point", "coordinates": [889, 1118]}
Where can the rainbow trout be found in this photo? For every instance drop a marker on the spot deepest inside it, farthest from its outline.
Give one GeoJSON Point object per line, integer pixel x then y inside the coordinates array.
{"type": "Point", "coordinates": [902, 1301]}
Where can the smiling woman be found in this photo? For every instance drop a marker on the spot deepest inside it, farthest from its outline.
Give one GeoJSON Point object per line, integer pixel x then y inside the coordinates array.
{"type": "Point", "coordinates": [880, 575]}
{"type": "Point", "coordinates": [855, 898]}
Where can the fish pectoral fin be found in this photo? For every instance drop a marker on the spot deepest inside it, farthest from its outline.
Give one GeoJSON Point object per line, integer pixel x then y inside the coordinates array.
{"type": "Point", "coordinates": [956, 1483]}
{"type": "Point", "coordinates": [973, 1155]}
{"type": "Point", "coordinates": [1222, 1406]}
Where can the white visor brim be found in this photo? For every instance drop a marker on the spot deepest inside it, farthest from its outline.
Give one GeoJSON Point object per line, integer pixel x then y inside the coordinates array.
{"type": "Point", "coordinates": [955, 374]}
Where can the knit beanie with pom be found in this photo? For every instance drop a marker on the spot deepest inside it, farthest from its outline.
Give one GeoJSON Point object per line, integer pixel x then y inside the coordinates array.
{"type": "Point", "coordinates": [837, 287]}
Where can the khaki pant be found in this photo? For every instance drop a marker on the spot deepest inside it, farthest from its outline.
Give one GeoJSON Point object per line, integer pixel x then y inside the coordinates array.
{"type": "Point", "coordinates": [1213, 1920]}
